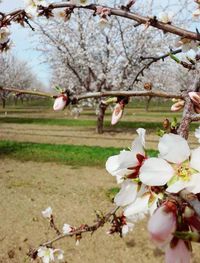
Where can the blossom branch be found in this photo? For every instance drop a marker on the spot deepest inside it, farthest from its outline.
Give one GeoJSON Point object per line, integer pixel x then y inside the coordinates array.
{"type": "Point", "coordinates": [88, 95]}
{"type": "Point", "coordinates": [165, 27]}
{"type": "Point", "coordinates": [77, 232]}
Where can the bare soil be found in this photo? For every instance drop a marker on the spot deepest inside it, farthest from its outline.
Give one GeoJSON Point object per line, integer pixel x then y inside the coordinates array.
{"type": "Point", "coordinates": [28, 188]}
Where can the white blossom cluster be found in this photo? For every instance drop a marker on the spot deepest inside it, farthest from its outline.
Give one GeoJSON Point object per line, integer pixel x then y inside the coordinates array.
{"type": "Point", "coordinates": [143, 179]}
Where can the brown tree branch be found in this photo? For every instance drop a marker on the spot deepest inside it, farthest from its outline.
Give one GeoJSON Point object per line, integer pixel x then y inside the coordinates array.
{"type": "Point", "coordinates": [88, 95]}
{"type": "Point", "coordinates": [195, 117]}
{"type": "Point", "coordinates": [30, 92]}
{"type": "Point", "coordinates": [126, 14]}
{"type": "Point", "coordinates": [100, 222]}
{"type": "Point", "coordinates": [153, 60]}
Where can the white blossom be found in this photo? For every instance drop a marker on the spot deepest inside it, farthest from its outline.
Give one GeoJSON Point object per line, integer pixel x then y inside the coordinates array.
{"type": "Point", "coordinates": [47, 213]}
{"type": "Point", "coordinates": [31, 6]}
{"type": "Point", "coordinates": [127, 162]}
{"type": "Point", "coordinates": [4, 35]}
{"type": "Point", "coordinates": [127, 228]}
{"type": "Point", "coordinates": [197, 134]}
{"type": "Point", "coordinates": [46, 254]}
{"type": "Point", "coordinates": [177, 166]}
{"type": "Point", "coordinates": [66, 229]}
{"type": "Point", "coordinates": [165, 17]}
{"type": "Point", "coordinates": [79, 2]}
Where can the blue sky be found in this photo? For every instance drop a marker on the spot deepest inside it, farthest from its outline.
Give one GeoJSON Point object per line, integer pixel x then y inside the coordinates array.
{"type": "Point", "coordinates": [23, 46]}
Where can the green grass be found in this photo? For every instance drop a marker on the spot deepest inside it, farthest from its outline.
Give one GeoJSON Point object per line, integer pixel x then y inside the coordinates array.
{"type": "Point", "coordinates": [86, 123]}
{"type": "Point", "coordinates": [65, 154]}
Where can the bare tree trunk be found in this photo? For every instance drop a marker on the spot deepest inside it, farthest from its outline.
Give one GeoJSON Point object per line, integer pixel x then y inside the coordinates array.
{"type": "Point", "coordinates": [148, 103]}
{"type": "Point", "coordinates": [15, 100]}
{"type": "Point", "coordinates": [3, 103]}
{"type": "Point", "coordinates": [101, 114]}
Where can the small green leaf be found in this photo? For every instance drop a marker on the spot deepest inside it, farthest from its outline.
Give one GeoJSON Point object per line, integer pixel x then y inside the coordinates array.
{"type": "Point", "coordinates": [173, 180]}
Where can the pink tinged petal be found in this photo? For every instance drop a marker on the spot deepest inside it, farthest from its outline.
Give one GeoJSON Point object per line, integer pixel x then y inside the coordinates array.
{"type": "Point", "coordinates": [177, 106]}
{"type": "Point", "coordinates": [195, 97]}
{"type": "Point", "coordinates": [197, 108]}
{"type": "Point", "coordinates": [155, 172]}
{"type": "Point", "coordinates": [173, 148]}
{"type": "Point", "coordinates": [59, 103]}
{"type": "Point", "coordinates": [195, 159]}
{"type": "Point", "coordinates": [178, 254]}
{"type": "Point", "coordinates": [161, 225]}
{"type": "Point", "coordinates": [117, 113]}
{"type": "Point", "coordinates": [137, 209]}
{"type": "Point", "coordinates": [127, 193]}
{"type": "Point", "coordinates": [177, 186]}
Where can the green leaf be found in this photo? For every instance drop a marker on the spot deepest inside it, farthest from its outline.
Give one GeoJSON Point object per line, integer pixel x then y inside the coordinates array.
{"type": "Point", "coordinates": [173, 180]}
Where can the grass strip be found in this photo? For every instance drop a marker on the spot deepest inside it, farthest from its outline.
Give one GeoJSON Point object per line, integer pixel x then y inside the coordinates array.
{"type": "Point", "coordinates": [86, 123]}
{"type": "Point", "coordinates": [66, 154]}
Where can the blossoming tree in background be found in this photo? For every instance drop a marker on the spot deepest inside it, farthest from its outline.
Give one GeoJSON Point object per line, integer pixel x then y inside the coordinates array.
{"type": "Point", "coordinates": [167, 186]}
{"type": "Point", "coordinates": [15, 73]}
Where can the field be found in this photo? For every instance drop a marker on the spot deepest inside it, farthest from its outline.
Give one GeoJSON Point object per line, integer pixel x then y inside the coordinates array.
{"type": "Point", "coordinates": [51, 159]}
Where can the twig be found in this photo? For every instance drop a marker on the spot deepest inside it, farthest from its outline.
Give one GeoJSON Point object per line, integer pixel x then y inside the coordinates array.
{"type": "Point", "coordinates": [79, 231]}
{"type": "Point", "coordinates": [153, 60]}
{"type": "Point", "coordinates": [30, 92]}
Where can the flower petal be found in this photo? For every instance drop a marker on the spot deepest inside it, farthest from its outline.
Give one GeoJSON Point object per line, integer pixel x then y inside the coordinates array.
{"type": "Point", "coordinates": [177, 186]}
{"type": "Point", "coordinates": [117, 113]}
{"type": "Point", "coordinates": [139, 142]}
{"type": "Point", "coordinates": [155, 172]}
{"type": "Point", "coordinates": [179, 253]}
{"type": "Point", "coordinates": [173, 148]}
{"type": "Point", "coordinates": [138, 209]}
{"type": "Point", "coordinates": [119, 163]}
{"type": "Point", "coordinates": [161, 225]}
{"type": "Point", "coordinates": [195, 159]}
{"type": "Point", "coordinates": [194, 184]}
{"type": "Point", "coordinates": [127, 194]}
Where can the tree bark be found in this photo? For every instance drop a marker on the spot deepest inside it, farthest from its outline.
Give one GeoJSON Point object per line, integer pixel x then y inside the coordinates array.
{"type": "Point", "coordinates": [101, 114]}
{"type": "Point", "coordinates": [148, 103]}
{"type": "Point", "coordinates": [184, 127]}
{"type": "Point", "coordinates": [3, 103]}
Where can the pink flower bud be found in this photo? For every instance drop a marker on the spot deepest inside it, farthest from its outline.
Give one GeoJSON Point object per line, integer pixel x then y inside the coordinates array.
{"type": "Point", "coordinates": [117, 113]}
{"type": "Point", "coordinates": [195, 97]}
{"type": "Point", "coordinates": [180, 253]}
{"type": "Point", "coordinates": [161, 225]}
{"type": "Point", "coordinates": [60, 103]}
{"type": "Point", "coordinates": [197, 108]}
{"type": "Point", "coordinates": [178, 105]}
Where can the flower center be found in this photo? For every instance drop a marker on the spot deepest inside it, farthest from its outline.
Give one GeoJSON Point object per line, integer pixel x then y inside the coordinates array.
{"type": "Point", "coordinates": [184, 172]}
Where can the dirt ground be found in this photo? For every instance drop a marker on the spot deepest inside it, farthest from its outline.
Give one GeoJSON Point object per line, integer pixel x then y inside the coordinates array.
{"type": "Point", "coordinates": [28, 188]}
